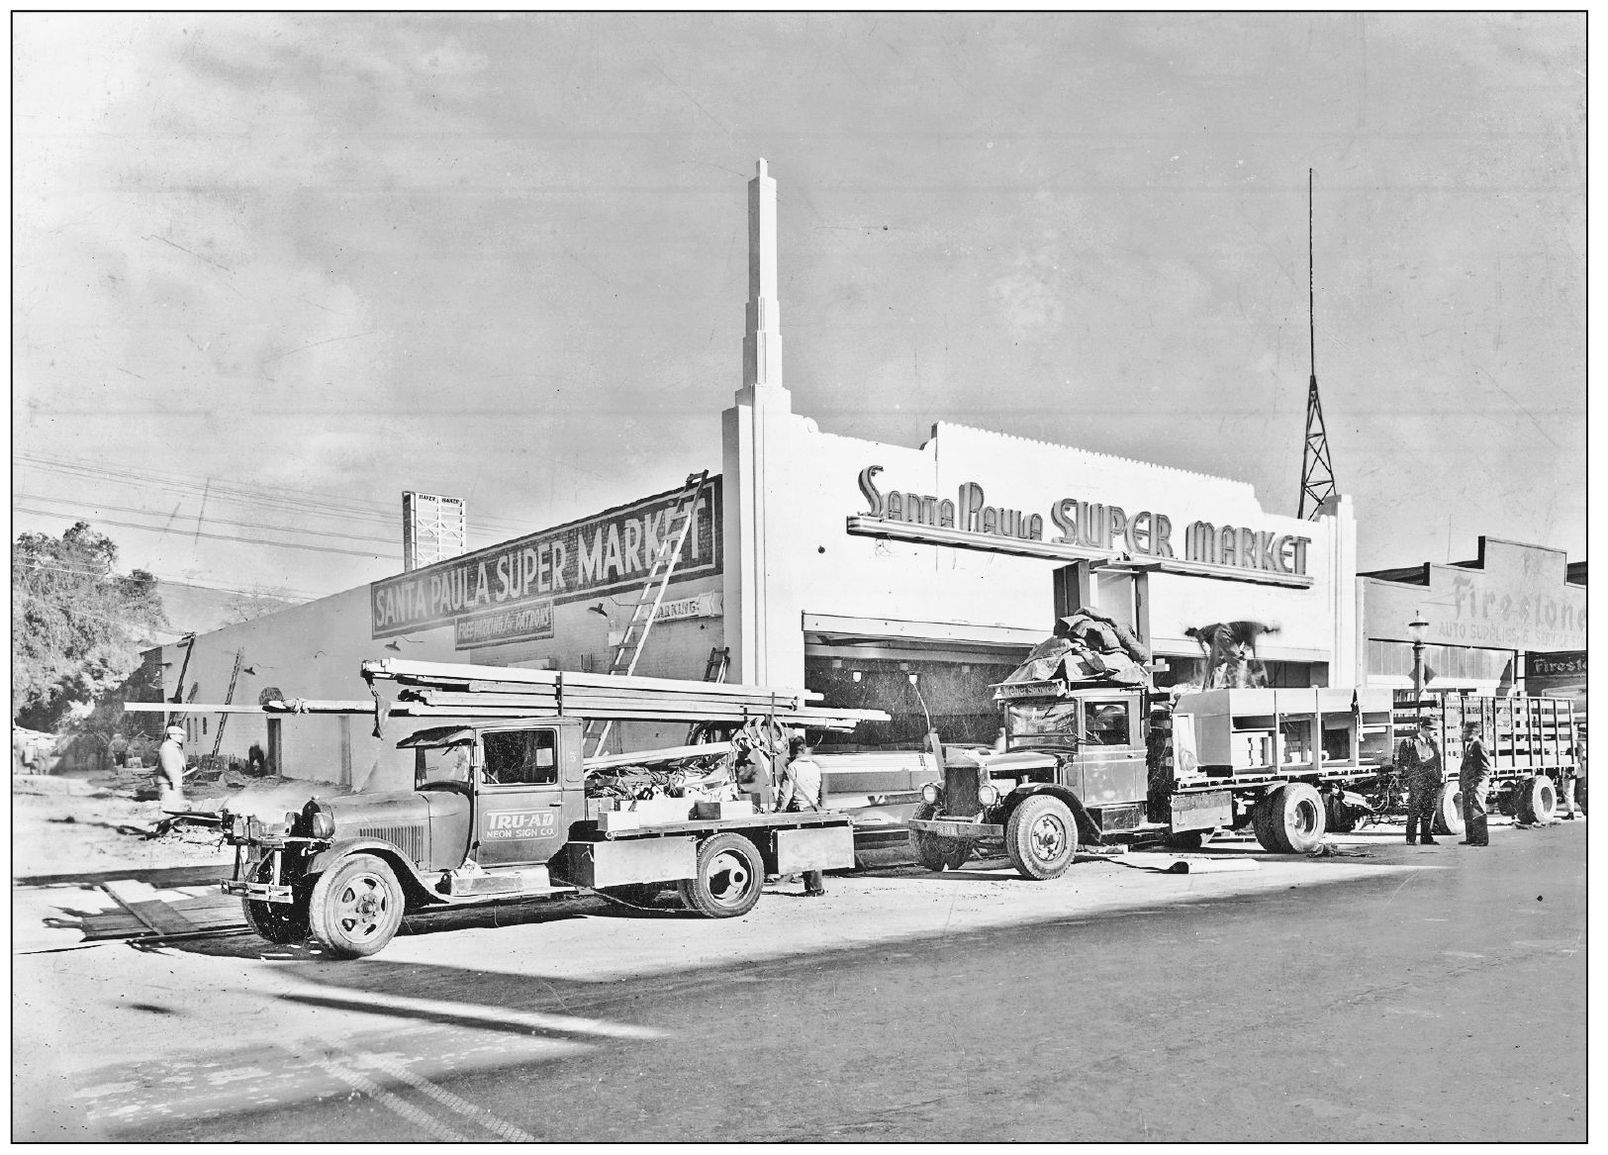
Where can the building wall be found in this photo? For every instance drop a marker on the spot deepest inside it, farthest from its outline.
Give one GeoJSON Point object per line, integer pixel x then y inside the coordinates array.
{"type": "Point", "coordinates": [809, 482]}
{"type": "Point", "coordinates": [316, 651]}
{"type": "Point", "coordinates": [1482, 616]}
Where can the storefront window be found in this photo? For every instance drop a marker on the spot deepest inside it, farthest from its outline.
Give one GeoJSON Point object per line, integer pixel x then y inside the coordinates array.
{"type": "Point", "coordinates": [1463, 663]}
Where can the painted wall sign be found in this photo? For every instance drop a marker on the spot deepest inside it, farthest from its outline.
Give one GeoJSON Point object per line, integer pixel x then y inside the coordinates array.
{"type": "Point", "coordinates": [1093, 525]}
{"type": "Point", "coordinates": [612, 551]}
{"type": "Point", "coordinates": [526, 623]}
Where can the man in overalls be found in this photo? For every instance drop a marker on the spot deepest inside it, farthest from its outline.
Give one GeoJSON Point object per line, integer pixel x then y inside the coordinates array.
{"type": "Point", "coordinates": [1420, 760]}
{"type": "Point", "coordinates": [1473, 779]}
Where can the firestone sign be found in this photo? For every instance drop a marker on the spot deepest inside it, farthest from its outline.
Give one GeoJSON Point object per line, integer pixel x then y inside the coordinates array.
{"type": "Point", "coordinates": [507, 591]}
{"type": "Point", "coordinates": [1093, 525]}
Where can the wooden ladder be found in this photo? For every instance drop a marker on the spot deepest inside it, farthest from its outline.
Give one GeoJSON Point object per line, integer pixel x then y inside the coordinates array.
{"type": "Point", "coordinates": [228, 699]}
{"type": "Point", "coordinates": [635, 636]}
{"type": "Point", "coordinates": [714, 671]}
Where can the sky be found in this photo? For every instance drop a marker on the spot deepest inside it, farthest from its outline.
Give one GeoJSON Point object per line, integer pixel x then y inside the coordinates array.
{"type": "Point", "coordinates": [271, 270]}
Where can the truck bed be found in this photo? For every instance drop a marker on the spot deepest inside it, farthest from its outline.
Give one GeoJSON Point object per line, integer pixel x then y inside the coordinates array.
{"type": "Point", "coordinates": [589, 832]}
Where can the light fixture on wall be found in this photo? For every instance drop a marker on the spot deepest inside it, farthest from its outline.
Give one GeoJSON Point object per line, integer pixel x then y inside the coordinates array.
{"type": "Point", "coordinates": [598, 609]}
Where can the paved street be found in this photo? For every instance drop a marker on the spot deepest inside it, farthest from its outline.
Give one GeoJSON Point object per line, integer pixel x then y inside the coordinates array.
{"type": "Point", "coordinates": [1413, 994]}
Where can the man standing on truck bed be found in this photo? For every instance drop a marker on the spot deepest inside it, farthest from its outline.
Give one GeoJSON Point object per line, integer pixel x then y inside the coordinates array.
{"type": "Point", "coordinates": [1472, 779]}
{"type": "Point", "coordinates": [1420, 760]}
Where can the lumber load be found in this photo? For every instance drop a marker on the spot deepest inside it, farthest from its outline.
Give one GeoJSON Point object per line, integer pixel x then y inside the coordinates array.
{"type": "Point", "coordinates": [444, 689]}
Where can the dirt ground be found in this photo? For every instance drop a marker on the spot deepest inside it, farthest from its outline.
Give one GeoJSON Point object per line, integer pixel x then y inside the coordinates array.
{"type": "Point", "coordinates": [90, 824]}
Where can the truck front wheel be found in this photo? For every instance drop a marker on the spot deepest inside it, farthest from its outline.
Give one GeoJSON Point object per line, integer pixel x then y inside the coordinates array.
{"type": "Point", "coordinates": [356, 907]}
{"type": "Point", "coordinates": [278, 922]}
{"type": "Point", "coordinates": [1290, 819]}
{"type": "Point", "coordinates": [730, 876]}
{"type": "Point", "coordinates": [934, 852]}
{"type": "Point", "coordinates": [1041, 837]}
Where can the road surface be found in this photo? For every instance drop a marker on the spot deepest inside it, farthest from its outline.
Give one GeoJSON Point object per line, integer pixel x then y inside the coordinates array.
{"type": "Point", "coordinates": [1415, 994]}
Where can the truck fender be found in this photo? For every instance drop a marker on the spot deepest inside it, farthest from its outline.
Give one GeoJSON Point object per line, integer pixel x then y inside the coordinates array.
{"type": "Point", "coordinates": [1088, 832]}
{"type": "Point", "coordinates": [418, 890]}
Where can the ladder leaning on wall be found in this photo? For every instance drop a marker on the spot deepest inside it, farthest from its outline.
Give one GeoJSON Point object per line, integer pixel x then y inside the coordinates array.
{"type": "Point", "coordinates": [635, 636]}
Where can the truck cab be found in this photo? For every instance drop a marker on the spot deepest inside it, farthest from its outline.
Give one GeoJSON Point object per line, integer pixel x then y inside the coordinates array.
{"type": "Point", "coordinates": [1073, 769]}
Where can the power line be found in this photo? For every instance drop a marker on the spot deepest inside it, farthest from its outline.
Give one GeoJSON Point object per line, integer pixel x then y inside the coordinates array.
{"type": "Point", "coordinates": [211, 520]}
{"type": "Point", "coordinates": [277, 497]}
{"type": "Point", "coordinates": [375, 554]}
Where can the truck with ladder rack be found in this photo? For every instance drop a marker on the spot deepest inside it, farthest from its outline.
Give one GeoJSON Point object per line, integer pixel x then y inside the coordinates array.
{"type": "Point", "coordinates": [501, 808]}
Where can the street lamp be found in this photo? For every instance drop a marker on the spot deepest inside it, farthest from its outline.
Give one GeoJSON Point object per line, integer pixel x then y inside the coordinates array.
{"type": "Point", "coordinates": [1415, 630]}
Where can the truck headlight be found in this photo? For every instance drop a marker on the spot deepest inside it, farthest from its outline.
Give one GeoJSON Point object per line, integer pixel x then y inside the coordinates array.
{"type": "Point", "coordinates": [987, 795]}
{"type": "Point", "coordinates": [930, 794]}
{"type": "Point", "coordinates": [323, 824]}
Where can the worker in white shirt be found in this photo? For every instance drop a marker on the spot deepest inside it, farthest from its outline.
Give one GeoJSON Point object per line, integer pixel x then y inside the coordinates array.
{"type": "Point", "coordinates": [801, 791]}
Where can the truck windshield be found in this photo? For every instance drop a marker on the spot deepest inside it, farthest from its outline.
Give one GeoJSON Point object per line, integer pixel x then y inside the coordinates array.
{"type": "Point", "coordinates": [441, 763]}
{"type": "Point", "coordinates": [1053, 723]}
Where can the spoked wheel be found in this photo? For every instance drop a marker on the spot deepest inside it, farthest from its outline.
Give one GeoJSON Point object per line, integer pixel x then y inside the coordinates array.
{"type": "Point", "coordinates": [730, 876]}
{"type": "Point", "coordinates": [1041, 837]}
{"type": "Point", "coordinates": [356, 907]}
{"type": "Point", "coordinates": [934, 852]}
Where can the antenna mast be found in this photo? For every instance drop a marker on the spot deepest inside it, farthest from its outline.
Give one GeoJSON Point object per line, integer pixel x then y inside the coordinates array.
{"type": "Point", "coordinates": [1317, 474]}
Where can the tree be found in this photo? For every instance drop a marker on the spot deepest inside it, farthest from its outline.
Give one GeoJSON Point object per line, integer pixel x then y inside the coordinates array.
{"type": "Point", "coordinates": [76, 625]}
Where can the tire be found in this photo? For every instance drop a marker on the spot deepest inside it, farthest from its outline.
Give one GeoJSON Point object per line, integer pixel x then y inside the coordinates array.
{"type": "Point", "coordinates": [730, 877]}
{"type": "Point", "coordinates": [1041, 837]}
{"type": "Point", "coordinates": [1262, 824]}
{"type": "Point", "coordinates": [278, 922]}
{"type": "Point", "coordinates": [1537, 797]}
{"type": "Point", "coordinates": [636, 893]}
{"type": "Point", "coordinates": [1448, 817]}
{"type": "Point", "coordinates": [1338, 816]}
{"type": "Point", "coordinates": [1507, 802]}
{"type": "Point", "coordinates": [356, 907]}
{"type": "Point", "coordinates": [1293, 820]}
{"type": "Point", "coordinates": [933, 852]}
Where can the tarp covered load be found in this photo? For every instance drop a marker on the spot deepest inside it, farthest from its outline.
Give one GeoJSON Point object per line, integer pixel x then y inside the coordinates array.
{"type": "Point", "coordinates": [1087, 647]}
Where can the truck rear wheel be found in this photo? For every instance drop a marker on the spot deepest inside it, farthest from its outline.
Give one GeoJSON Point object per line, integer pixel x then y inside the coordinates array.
{"type": "Point", "coordinates": [1448, 817]}
{"type": "Point", "coordinates": [1537, 798]}
{"type": "Point", "coordinates": [730, 876]}
{"type": "Point", "coordinates": [1290, 819]}
{"type": "Point", "coordinates": [356, 907]}
{"type": "Point", "coordinates": [278, 922]}
{"type": "Point", "coordinates": [934, 852]}
{"type": "Point", "coordinates": [1339, 815]}
{"type": "Point", "coordinates": [1041, 837]}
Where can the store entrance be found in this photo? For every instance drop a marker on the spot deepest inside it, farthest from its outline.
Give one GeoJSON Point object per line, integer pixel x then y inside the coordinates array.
{"type": "Point", "coordinates": [951, 694]}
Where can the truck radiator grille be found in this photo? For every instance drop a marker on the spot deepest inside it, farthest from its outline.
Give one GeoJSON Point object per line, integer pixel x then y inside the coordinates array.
{"type": "Point", "coordinates": [960, 795]}
{"type": "Point", "coordinates": [410, 838]}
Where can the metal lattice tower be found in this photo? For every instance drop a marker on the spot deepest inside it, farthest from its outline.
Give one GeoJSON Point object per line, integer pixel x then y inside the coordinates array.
{"type": "Point", "coordinates": [1317, 472]}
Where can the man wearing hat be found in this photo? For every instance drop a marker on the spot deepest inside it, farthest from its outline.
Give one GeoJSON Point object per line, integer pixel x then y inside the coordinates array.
{"type": "Point", "coordinates": [170, 771]}
{"type": "Point", "coordinates": [1420, 760]}
{"type": "Point", "coordinates": [1473, 779]}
